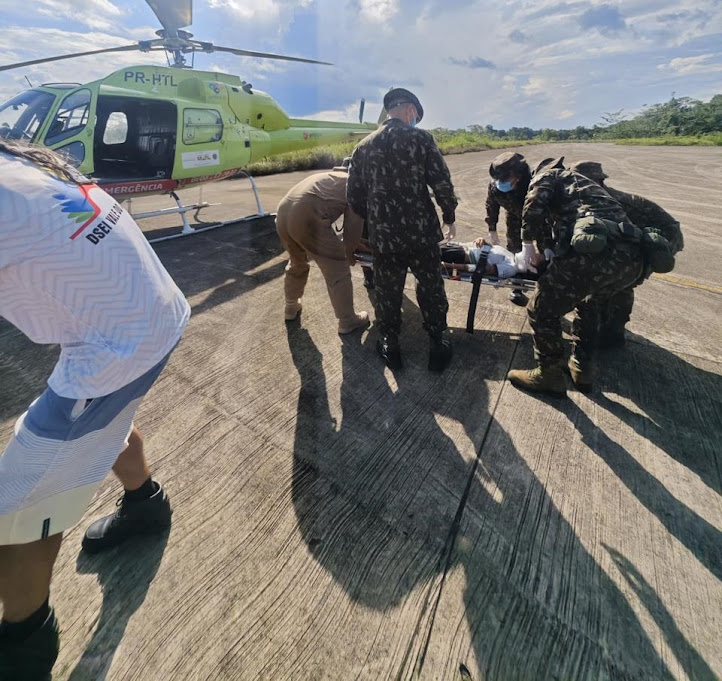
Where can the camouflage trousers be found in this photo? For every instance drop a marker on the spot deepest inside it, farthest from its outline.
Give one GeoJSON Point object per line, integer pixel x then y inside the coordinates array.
{"type": "Point", "coordinates": [390, 275]}
{"type": "Point", "coordinates": [616, 311]}
{"type": "Point", "coordinates": [583, 283]}
{"type": "Point", "coordinates": [513, 235]}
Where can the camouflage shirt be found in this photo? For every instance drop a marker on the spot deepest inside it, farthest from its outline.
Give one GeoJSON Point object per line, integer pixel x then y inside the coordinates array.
{"type": "Point", "coordinates": [561, 197]}
{"type": "Point", "coordinates": [391, 171]}
{"type": "Point", "coordinates": [512, 202]}
{"type": "Point", "coordinates": [647, 214]}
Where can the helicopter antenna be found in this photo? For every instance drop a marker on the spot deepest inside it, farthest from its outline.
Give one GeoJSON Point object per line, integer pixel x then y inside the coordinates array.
{"type": "Point", "coordinates": [29, 83]}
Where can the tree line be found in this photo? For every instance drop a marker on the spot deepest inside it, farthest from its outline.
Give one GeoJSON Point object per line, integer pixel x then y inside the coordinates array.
{"type": "Point", "coordinates": [679, 117]}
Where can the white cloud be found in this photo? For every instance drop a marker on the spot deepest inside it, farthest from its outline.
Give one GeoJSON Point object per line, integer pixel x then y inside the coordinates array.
{"type": "Point", "coordinates": [689, 65]}
{"type": "Point", "coordinates": [96, 14]}
{"type": "Point", "coordinates": [536, 85]}
{"type": "Point", "coordinates": [563, 65]}
{"type": "Point", "coordinates": [378, 11]}
{"type": "Point", "coordinates": [349, 114]}
{"type": "Point", "coordinates": [260, 12]}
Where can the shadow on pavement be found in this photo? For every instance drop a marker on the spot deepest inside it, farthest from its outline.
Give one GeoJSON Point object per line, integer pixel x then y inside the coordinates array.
{"type": "Point", "coordinates": [125, 575]}
{"type": "Point", "coordinates": [388, 504]}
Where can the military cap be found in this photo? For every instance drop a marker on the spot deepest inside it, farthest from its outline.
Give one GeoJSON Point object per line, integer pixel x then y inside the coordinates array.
{"type": "Point", "coordinates": [505, 165]}
{"type": "Point", "coordinates": [591, 169]}
{"type": "Point", "coordinates": [399, 95]}
{"type": "Point", "coordinates": [548, 164]}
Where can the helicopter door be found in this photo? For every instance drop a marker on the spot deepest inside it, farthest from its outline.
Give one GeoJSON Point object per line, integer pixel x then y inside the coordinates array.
{"type": "Point", "coordinates": [135, 138]}
{"type": "Point", "coordinates": [68, 131]}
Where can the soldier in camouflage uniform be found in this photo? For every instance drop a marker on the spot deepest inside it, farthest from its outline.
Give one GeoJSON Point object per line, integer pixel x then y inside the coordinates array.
{"type": "Point", "coordinates": [574, 280]}
{"type": "Point", "coordinates": [391, 171]}
{"type": "Point", "coordinates": [510, 177]}
{"type": "Point", "coordinates": [646, 215]}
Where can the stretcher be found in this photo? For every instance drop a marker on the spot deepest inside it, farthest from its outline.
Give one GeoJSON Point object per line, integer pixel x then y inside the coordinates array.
{"type": "Point", "coordinates": [473, 274]}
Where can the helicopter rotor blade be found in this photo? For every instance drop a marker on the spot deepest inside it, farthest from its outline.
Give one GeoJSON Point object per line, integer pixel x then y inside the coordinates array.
{"type": "Point", "coordinates": [17, 65]}
{"type": "Point", "coordinates": [265, 55]}
{"type": "Point", "coordinates": [172, 14]}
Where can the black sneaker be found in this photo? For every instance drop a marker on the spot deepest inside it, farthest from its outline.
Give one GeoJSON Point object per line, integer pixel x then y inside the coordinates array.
{"type": "Point", "coordinates": [391, 354]}
{"type": "Point", "coordinates": [440, 355]}
{"type": "Point", "coordinates": [149, 516]}
{"type": "Point", "coordinates": [518, 297]}
{"type": "Point", "coordinates": [31, 659]}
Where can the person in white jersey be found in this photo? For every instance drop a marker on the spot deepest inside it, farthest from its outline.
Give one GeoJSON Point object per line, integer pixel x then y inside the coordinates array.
{"type": "Point", "coordinates": [75, 270]}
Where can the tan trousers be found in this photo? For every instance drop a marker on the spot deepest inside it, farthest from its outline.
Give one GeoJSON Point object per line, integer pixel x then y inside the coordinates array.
{"type": "Point", "coordinates": [306, 232]}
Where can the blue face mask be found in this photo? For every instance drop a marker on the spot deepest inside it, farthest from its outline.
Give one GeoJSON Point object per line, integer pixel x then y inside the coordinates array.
{"type": "Point", "coordinates": [504, 186]}
{"type": "Point", "coordinates": [413, 122]}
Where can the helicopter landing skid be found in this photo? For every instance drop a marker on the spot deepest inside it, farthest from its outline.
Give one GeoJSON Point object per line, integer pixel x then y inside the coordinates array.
{"type": "Point", "coordinates": [187, 229]}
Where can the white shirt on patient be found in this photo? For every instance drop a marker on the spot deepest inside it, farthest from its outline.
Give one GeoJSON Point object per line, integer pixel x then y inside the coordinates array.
{"type": "Point", "coordinates": [507, 263]}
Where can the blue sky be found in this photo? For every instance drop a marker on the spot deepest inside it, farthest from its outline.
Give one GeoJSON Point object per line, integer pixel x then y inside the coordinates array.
{"type": "Point", "coordinates": [541, 63]}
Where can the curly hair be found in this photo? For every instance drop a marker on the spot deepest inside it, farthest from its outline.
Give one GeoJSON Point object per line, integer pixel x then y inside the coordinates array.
{"type": "Point", "coordinates": [45, 158]}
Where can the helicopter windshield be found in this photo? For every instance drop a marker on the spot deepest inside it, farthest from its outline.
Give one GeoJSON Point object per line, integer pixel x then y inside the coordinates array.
{"type": "Point", "coordinates": [22, 116]}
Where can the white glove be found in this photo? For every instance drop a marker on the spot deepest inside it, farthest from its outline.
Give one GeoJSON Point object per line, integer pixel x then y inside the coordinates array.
{"type": "Point", "coordinates": [527, 252]}
{"type": "Point", "coordinates": [549, 254]}
{"type": "Point", "coordinates": [450, 232]}
{"type": "Point", "coordinates": [492, 237]}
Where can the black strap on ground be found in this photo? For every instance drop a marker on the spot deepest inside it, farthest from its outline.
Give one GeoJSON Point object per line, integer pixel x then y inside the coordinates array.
{"type": "Point", "coordinates": [476, 278]}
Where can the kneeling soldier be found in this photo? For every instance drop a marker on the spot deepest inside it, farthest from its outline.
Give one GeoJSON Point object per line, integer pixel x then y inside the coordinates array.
{"type": "Point", "coordinates": [599, 253]}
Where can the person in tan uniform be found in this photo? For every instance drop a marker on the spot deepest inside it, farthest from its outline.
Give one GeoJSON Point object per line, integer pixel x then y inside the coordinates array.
{"type": "Point", "coordinates": [304, 221]}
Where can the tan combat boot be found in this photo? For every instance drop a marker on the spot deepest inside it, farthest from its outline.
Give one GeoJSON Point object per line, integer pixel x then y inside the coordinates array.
{"type": "Point", "coordinates": [359, 321]}
{"type": "Point", "coordinates": [292, 310]}
{"type": "Point", "coordinates": [582, 373]}
{"type": "Point", "coordinates": [549, 380]}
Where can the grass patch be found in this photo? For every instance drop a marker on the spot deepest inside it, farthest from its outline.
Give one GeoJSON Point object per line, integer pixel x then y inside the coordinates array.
{"type": "Point", "coordinates": [462, 142]}
{"type": "Point", "coordinates": [320, 158]}
{"type": "Point", "coordinates": [711, 140]}
{"type": "Point", "coordinates": [449, 142]}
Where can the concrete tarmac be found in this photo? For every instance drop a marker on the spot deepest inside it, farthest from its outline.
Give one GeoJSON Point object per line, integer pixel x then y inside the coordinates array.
{"type": "Point", "coordinates": [335, 521]}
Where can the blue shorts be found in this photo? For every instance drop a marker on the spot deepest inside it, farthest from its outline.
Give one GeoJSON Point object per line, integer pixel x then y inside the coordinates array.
{"type": "Point", "coordinates": [61, 450]}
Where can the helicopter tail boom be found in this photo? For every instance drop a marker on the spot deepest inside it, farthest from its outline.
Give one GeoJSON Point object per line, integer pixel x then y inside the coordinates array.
{"type": "Point", "coordinates": [305, 134]}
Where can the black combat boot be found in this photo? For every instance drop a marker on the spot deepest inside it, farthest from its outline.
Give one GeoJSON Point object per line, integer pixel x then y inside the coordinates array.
{"type": "Point", "coordinates": [390, 353]}
{"type": "Point", "coordinates": [31, 658]}
{"type": "Point", "coordinates": [440, 353]}
{"type": "Point", "coordinates": [369, 278]}
{"type": "Point", "coordinates": [518, 297]}
{"type": "Point", "coordinates": [149, 516]}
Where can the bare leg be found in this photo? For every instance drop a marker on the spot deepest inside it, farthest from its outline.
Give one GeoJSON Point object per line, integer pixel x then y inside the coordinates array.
{"type": "Point", "coordinates": [131, 467]}
{"type": "Point", "coordinates": [25, 571]}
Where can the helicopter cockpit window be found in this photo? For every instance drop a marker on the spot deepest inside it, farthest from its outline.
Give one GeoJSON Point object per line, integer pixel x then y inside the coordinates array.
{"type": "Point", "coordinates": [71, 117]}
{"type": "Point", "coordinates": [22, 116]}
{"type": "Point", "coordinates": [201, 126]}
{"type": "Point", "coordinates": [116, 129]}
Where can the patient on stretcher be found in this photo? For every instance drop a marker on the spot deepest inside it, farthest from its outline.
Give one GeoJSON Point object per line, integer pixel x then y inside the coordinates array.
{"type": "Point", "coordinates": [499, 261]}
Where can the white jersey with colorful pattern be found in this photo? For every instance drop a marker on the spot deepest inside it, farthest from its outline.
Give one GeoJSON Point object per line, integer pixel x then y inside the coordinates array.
{"type": "Point", "coordinates": [76, 270]}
